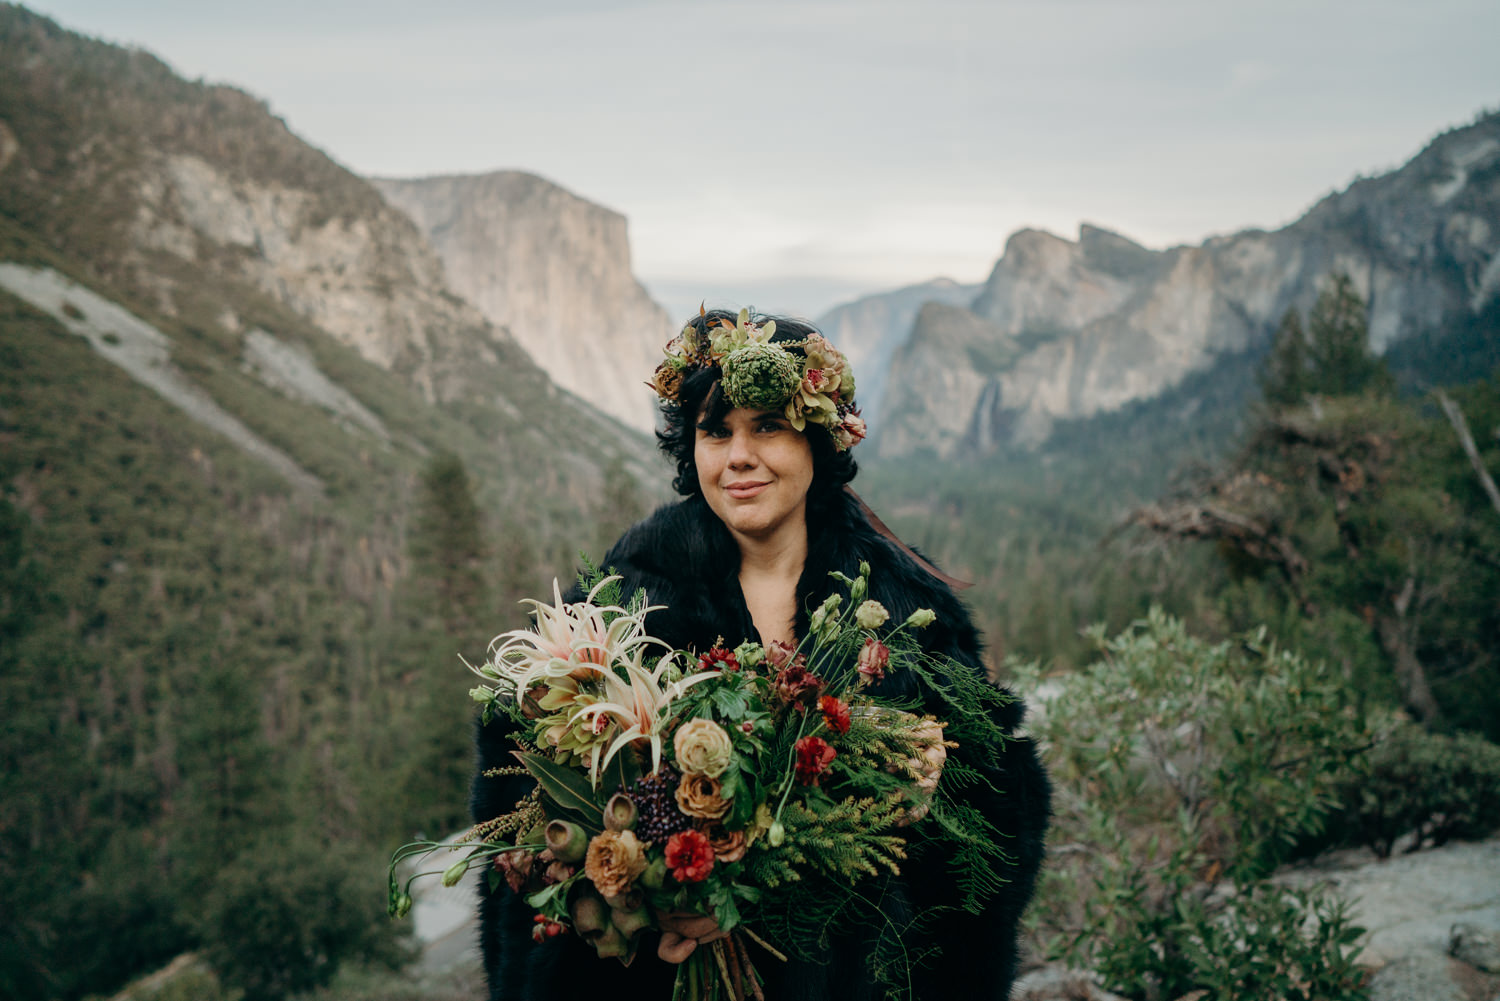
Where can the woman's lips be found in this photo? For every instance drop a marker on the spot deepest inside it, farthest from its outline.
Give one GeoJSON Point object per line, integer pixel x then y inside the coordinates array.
{"type": "Point", "coordinates": [745, 490]}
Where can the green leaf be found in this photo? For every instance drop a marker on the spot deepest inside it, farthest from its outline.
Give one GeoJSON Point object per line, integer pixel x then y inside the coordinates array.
{"type": "Point", "coordinates": [553, 900]}
{"type": "Point", "coordinates": [565, 787]}
{"type": "Point", "coordinates": [732, 703]}
{"type": "Point", "coordinates": [747, 793]}
{"type": "Point", "coordinates": [617, 776]}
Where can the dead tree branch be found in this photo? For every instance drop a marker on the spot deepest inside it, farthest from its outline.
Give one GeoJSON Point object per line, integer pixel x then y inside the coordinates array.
{"type": "Point", "coordinates": [1461, 427]}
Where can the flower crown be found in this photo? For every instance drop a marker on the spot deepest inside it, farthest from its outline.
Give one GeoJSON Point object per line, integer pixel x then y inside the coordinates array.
{"type": "Point", "coordinates": [815, 387]}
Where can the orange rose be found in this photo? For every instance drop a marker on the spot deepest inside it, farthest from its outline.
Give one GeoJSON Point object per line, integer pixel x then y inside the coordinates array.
{"type": "Point", "coordinates": [700, 796]}
{"type": "Point", "coordinates": [614, 860]}
{"type": "Point", "coordinates": [667, 380]}
{"type": "Point", "coordinates": [728, 846]}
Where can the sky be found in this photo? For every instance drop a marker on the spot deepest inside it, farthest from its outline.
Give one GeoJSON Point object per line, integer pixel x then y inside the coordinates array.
{"type": "Point", "coordinates": [790, 155]}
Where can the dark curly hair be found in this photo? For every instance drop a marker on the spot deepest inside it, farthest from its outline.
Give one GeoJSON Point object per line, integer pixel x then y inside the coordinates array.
{"type": "Point", "coordinates": [701, 398]}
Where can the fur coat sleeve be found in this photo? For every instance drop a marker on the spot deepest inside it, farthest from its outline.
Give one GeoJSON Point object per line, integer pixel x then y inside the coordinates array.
{"type": "Point", "coordinates": [685, 559]}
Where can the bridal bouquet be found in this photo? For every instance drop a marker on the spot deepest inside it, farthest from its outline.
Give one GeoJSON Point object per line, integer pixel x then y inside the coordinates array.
{"type": "Point", "coordinates": [755, 787]}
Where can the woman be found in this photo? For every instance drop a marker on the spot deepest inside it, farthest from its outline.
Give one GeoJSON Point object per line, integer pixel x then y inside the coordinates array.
{"type": "Point", "coordinates": [765, 519]}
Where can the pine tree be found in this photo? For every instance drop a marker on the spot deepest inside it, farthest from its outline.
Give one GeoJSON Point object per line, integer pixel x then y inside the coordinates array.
{"type": "Point", "coordinates": [1285, 376]}
{"type": "Point", "coordinates": [1338, 336]}
{"type": "Point", "coordinates": [620, 505]}
{"type": "Point", "coordinates": [448, 545]}
{"type": "Point", "coordinates": [449, 612]}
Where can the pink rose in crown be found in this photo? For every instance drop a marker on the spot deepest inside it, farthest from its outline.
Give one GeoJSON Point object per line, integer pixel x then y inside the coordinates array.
{"type": "Point", "coordinates": [854, 426]}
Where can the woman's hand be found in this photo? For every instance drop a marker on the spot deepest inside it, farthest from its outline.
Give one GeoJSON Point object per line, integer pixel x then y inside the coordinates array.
{"type": "Point", "coordinates": [928, 766]}
{"type": "Point", "coordinates": [681, 933]}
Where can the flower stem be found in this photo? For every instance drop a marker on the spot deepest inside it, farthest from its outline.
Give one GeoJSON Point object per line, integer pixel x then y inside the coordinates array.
{"type": "Point", "coordinates": [791, 779]}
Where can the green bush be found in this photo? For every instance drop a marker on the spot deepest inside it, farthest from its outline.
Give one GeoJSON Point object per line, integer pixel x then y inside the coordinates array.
{"type": "Point", "coordinates": [1185, 771]}
{"type": "Point", "coordinates": [186, 978]}
{"type": "Point", "coordinates": [1271, 942]}
{"type": "Point", "coordinates": [1263, 942]}
{"type": "Point", "coordinates": [1433, 786]}
{"type": "Point", "coordinates": [1251, 742]}
{"type": "Point", "coordinates": [281, 919]}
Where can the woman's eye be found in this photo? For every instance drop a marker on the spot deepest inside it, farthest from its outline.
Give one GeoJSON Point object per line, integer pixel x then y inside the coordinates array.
{"type": "Point", "coordinates": [715, 432]}
{"type": "Point", "coordinates": [771, 426]}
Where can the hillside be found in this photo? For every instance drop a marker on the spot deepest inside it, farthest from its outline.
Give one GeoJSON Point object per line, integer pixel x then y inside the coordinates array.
{"type": "Point", "coordinates": [237, 561]}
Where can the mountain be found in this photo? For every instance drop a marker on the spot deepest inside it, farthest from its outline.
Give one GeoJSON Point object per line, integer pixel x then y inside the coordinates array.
{"type": "Point", "coordinates": [554, 270]}
{"type": "Point", "coordinates": [263, 476]}
{"type": "Point", "coordinates": [196, 204]}
{"type": "Point", "coordinates": [1074, 329]}
{"type": "Point", "coordinates": [870, 329]}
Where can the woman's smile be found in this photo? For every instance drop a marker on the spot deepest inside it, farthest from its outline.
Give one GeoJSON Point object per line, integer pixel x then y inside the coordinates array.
{"type": "Point", "coordinates": [746, 489]}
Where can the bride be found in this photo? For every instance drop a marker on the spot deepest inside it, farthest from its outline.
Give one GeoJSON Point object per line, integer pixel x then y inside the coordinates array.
{"type": "Point", "coordinates": [765, 517]}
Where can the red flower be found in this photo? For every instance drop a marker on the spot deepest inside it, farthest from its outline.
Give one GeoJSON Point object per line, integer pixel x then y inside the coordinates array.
{"type": "Point", "coordinates": [798, 686]}
{"type": "Point", "coordinates": [690, 856]}
{"type": "Point", "coordinates": [719, 659]}
{"type": "Point", "coordinates": [873, 659]}
{"type": "Point", "coordinates": [835, 713]}
{"type": "Point", "coordinates": [813, 758]}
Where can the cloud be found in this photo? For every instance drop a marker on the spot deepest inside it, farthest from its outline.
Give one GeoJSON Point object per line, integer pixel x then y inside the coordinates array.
{"type": "Point", "coordinates": [856, 138]}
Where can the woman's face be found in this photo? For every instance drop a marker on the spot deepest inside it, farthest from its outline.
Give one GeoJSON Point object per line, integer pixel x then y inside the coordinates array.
{"type": "Point", "coordinates": [754, 470]}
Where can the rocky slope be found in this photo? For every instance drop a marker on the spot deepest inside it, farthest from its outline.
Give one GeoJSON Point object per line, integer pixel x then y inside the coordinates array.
{"type": "Point", "coordinates": [552, 268]}
{"type": "Point", "coordinates": [1101, 322]}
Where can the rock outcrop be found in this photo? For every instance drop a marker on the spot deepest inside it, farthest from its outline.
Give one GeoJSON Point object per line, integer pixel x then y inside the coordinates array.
{"type": "Point", "coordinates": [952, 356]}
{"type": "Point", "coordinates": [1102, 322]}
{"type": "Point", "coordinates": [144, 352]}
{"type": "Point", "coordinates": [368, 278]}
{"type": "Point", "coordinates": [552, 268]}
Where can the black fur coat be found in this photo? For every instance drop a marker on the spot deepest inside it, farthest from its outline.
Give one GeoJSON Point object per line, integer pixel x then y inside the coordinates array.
{"type": "Point", "coordinates": [685, 559]}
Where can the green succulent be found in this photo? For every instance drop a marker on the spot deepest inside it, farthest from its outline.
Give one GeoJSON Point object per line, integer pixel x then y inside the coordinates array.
{"type": "Point", "coordinates": [760, 376]}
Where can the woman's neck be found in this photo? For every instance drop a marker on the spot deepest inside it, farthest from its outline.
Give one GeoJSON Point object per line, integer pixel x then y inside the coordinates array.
{"type": "Point", "coordinates": [769, 572]}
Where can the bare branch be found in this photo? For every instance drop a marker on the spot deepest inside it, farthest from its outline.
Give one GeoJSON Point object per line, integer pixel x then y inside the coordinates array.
{"type": "Point", "coordinates": [1461, 426]}
{"type": "Point", "coordinates": [1208, 521]}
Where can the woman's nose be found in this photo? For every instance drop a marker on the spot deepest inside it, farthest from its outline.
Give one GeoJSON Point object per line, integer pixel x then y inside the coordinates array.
{"type": "Point", "coordinates": [741, 450]}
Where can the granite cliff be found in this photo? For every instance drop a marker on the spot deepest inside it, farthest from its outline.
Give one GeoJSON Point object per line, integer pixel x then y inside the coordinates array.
{"type": "Point", "coordinates": [871, 329]}
{"type": "Point", "coordinates": [1073, 328]}
{"type": "Point", "coordinates": [553, 269]}
{"type": "Point", "coordinates": [251, 252]}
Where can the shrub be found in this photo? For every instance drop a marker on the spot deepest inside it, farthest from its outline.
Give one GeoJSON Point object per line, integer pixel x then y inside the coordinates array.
{"type": "Point", "coordinates": [1433, 786]}
{"type": "Point", "coordinates": [282, 919]}
{"type": "Point", "coordinates": [1262, 942]}
{"type": "Point", "coordinates": [1250, 742]}
{"type": "Point", "coordinates": [1185, 771]}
